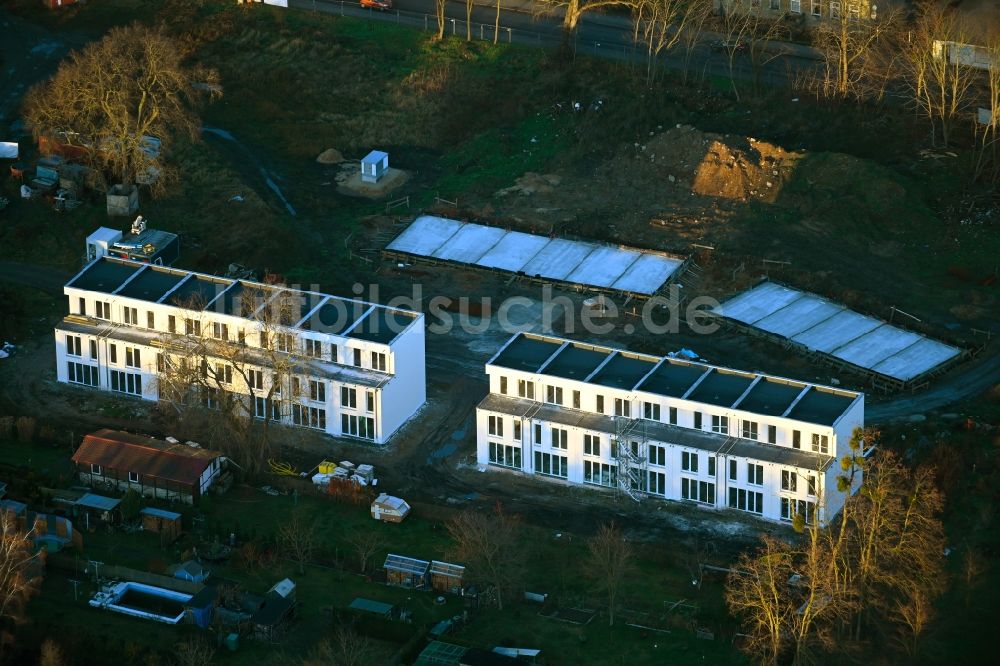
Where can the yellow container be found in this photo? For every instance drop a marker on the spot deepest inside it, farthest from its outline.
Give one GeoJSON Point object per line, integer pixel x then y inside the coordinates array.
{"type": "Point", "coordinates": [327, 467]}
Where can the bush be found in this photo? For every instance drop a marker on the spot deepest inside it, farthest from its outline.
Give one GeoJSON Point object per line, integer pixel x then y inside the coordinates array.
{"type": "Point", "coordinates": [26, 426]}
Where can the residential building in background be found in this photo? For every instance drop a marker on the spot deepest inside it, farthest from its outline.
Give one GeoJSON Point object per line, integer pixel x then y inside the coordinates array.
{"type": "Point", "coordinates": [341, 366]}
{"type": "Point", "coordinates": [660, 427]}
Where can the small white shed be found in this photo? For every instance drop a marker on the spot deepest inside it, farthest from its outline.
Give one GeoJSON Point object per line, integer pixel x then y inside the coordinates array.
{"type": "Point", "coordinates": [374, 166]}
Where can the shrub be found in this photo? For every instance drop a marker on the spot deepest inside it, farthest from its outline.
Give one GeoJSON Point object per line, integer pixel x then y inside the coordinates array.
{"type": "Point", "coordinates": [26, 426]}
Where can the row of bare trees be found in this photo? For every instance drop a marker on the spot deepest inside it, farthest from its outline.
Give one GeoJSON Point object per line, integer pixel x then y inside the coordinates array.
{"type": "Point", "coordinates": [872, 574]}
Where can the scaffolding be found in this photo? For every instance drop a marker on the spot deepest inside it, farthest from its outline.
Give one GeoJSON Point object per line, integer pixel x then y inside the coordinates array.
{"type": "Point", "coordinates": [630, 454]}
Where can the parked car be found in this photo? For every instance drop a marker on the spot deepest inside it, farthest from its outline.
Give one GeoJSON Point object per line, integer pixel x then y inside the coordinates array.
{"type": "Point", "coordinates": [381, 5]}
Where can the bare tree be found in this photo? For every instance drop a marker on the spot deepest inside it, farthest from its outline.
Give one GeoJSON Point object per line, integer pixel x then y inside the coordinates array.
{"type": "Point", "coordinates": [747, 30]}
{"type": "Point", "coordinates": [609, 562]}
{"type": "Point", "coordinates": [496, 25]}
{"type": "Point", "coordinates": [114, 93]}
{"type": "Point", "coordinates": [347, 648]}
{"type": "Point", "coordinates": [974, 565]}
{"type": "Point", "coordinates": [469, 5]}
{"type": "Point", "coordinates": [194, 652]}
{"type": "Point", "coordinates": [439, 7]}
{"type": "Point", "coordinates": [757, 593]}
{"type": "Point", "coordinates": [18, 559]}
{"type": "Point", "coordinates": [51, 654]}
{"type": "Point", "coordinates": [914, 612]}
{"type": "Point", "coordinates": [664, 23]}
{"type": "Point", "coordinates": [490, 545]}
{"type": "Point", "coordinates": [250, 376]}
{"type": "Point", "coordinates": [987, 166]}
{"type": "Point", "coordinates": [938, 80]}
{"type": "Point", "coordinates": [853, 48]}
{"type": "Point", "coordinates": [297, 539]}
{"type": "Point", "coordinates": [573, 10]}
{"type": "Point", "coordinates": [366, 543]}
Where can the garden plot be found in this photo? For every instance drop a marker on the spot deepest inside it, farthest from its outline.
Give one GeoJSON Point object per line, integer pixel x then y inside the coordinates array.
{"type": "Point", "coordinates": [822, 326]}
{"type": "Point", "coordinates": [607, 267]}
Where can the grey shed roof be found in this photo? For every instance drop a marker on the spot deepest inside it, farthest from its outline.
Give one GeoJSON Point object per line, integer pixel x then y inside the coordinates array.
{"type": "Point", "coordinates": [160, 513]}
{"type": "Point", "coordinates": [370, 606]}
{"type": "Point", "coordinates": [405, 564]}
{"type": "Point", "coordinates": [447, 569]}
{"type": "Point", "coordinates": [99, 502]}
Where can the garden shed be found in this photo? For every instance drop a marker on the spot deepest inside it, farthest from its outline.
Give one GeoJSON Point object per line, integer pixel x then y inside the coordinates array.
{"type": "Point", "coordinates": [92, 509]}
{"type": "Point", "coordinates": [446, 577]}
{"type": "Point", "coordinates": [405, 571]}
{"type": "Point", "coordinates": [374, 165]}
{"type": "Point", "coordinates": [167, 523]}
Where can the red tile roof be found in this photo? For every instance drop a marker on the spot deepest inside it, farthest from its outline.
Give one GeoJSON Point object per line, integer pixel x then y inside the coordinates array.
{"type": "Point", "coordinates": [127, 452]}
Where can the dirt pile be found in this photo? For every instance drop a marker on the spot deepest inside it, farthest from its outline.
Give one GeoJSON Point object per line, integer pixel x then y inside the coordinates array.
{"type": "Point", "coordinates": [330, 156]}
{"type": "Point", "coordinates": [731, 167]}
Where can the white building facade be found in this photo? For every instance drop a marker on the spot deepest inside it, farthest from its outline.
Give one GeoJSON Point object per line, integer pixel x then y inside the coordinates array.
{"type": "Point", "coordinates": [349, 368]}
{"type": "Point", "coordinates": [666, 428]}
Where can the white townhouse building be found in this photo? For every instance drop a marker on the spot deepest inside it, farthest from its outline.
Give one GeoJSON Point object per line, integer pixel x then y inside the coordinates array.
{"type": "Point", "coordinates": [350, 368]}
{"type": "Point", "coordinates": [666, 428]}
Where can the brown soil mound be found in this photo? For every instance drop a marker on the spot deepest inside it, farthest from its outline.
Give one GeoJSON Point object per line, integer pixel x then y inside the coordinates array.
{"type": "Point", "coordinates": [330, 156]}
{"type": "Point", "coordinates": [717, 165]}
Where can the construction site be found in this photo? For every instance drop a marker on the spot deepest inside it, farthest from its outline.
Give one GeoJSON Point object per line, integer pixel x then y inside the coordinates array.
{"type": "Point", "coordinates": [713, 289]}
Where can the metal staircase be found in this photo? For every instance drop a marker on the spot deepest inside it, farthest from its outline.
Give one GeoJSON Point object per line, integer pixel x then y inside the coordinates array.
{"type": "Point", "coordinates": [632, 461]}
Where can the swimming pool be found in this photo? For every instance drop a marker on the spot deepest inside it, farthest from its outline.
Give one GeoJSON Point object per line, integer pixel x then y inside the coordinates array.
{"type": "Point", "coordinates": [145, 601]}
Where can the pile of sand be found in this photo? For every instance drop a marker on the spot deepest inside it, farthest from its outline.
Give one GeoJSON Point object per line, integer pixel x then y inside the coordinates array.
{"type": "Point", "coordinates": [330, 156]}
{"type": "Point", "coordinates": [717, 165]}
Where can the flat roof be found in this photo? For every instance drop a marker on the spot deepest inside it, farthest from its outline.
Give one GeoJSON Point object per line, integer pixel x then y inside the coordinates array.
{"type": "Point", "coordinates": [827, 327]}
{"type": "Point", "coordinates": [381, 325]}
{"type": "Point", "coordinates": [196, 292]}
{"type": "Point", "coordinates": [191, 290]}
{"type": "Point", "coordinates": [103, 275]}
{"type": "Point", "coordinates": [820, 406]}
{"type": "Point", "coordinates": [674, 378]}
{"type": "Point", "coordinates": [623, 371]}
{"type": "Point", "coordinates": [524, 353]}
{"type": "Point", "coordinates": [150, 285]}
{"type": "Point", "coordinates": [721, 388]}
{"type": "Point", "coordinates": [615, 268]}
{"type": "Point", "coordinates": [575, 361]}
{"type": "Point", "coordinates": [770, 397]}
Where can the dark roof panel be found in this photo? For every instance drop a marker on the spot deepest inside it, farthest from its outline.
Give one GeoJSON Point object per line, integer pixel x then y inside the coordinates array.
{"type": "Point", "coordinates": [526, 353]}
{"type": "Point", "coordinates": [821, 406]}
{"type": "Point", "coordinates": [196, 292]}
{"type": "Point", "coordinates": [381, 325]}
{"type": "Point", "coordinates": [623, 371]}
{"type": "Point", "coordinates": [576, 362]}
{"type": "Point", "coordinates": [721, 388]}
{"type": "Point", "coordinates": [673, 378]}
{"type": "Point", "coordinates": [151, 285]}
{"type": "Point", "coordinates": [105, 275]}
{"type": "Point", "coordinates": [770, 397]}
